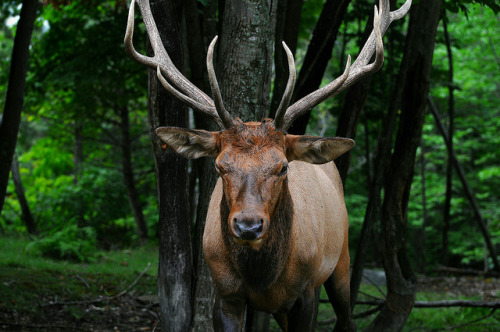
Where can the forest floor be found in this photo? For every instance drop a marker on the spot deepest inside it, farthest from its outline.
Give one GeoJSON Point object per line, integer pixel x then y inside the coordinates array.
{"type": "Point", "coordinates": [117, 293]}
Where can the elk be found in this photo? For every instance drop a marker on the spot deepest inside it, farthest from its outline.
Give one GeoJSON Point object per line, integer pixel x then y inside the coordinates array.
{"type": "Point", "coordinates": [277, 225]}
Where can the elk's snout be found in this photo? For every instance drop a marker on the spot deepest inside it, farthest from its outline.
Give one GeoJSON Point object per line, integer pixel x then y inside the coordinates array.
{"type": "Point", "coordinates": [248, 229]}
{"type": "Point", "coordinates": [248, 226]}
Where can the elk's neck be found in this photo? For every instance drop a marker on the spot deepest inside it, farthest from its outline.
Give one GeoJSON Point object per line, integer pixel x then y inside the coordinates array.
{"type": "Point", "coordinates": [260, 269]}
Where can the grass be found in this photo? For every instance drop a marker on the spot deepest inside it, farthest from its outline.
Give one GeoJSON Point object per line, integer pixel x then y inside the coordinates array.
{"type": "Point", "coordinates": [28, 282]}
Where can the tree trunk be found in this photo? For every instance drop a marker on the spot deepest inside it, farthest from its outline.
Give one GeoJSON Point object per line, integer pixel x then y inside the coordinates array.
{"type": "Point", "coordinates": [197, 44]}
{"type": "Point", "coordinates": [449, 166]}
{"type": "Point", "coordinates": [318, 55]}
{"type": "Point", "coordinates": [288, 15]}
{"type": "Point", "coordinates": [421, 235]}
{"type": "Point", "coordinates": [372, 214]}
{"type": "Point", "coordinates": [245, 57]}
{"type": "Point", "coordinates": [25, 209]}
{"type": "Point", "coordinates": [175, 262]}
{"type": "Point", "coordinates": [204, 295]}
{"type": "Point", "coordinates": [417, 63]}
{"type": "Point", "coordinates": [128, 175]}
{"type": "Point", "coordinates": [15, 92]}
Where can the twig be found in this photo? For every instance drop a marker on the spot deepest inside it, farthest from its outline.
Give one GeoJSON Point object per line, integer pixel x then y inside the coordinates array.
{"type": "Point", "coordinates": [83, 281]}
{"type": "Point", "coordinates": [125, 291]}
{"type": "Point", "coordinates": [374, 284]}
{"type": "Point", "coordinates": [354, 316]}
{"type": "Point", "coordinates": [472, 321]}
{"type": "Point", "coordinates": [468, 272]}
{"type": "Point", "coordinates": [103, 298]}
{"type": "Point", "coordinates": [359, 302]}
{"type": "Point", "coordinates": [368, 312]}
{"type": "Point", "coordinates": [372, 296]}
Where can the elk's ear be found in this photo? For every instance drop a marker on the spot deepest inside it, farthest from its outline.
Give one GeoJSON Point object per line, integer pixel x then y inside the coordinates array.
{"type": "Point", "coordinates": [190, 143]}
{"type": "Point", "coordinates": [316, 150]}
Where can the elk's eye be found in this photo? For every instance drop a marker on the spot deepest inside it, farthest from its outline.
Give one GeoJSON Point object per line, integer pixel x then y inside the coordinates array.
{"type": "Point", "coordinates": [284, 169]}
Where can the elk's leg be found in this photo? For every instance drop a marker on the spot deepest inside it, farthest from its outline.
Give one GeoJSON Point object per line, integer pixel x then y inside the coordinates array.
{"type": "Point", "coordinates": [282, 320]}
{"type": "Point", "coordinates": [302, 316]}
{"type": "Point", "coordinates": [338, 290]}
{"type": "Point", "coordinates": [228, 314]}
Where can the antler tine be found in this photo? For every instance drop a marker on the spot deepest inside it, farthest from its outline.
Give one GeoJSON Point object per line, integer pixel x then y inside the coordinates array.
{"type": "Point", "coordinates": [185, 99]}
{"type": "Point", "coordinates": [224, 115]}
{"type": "Point", "coordinates": [186, 91]}
{"type": "Point", "coordinates": [360, 68]}
{"type": "Point", "coordinates": [287, 95]}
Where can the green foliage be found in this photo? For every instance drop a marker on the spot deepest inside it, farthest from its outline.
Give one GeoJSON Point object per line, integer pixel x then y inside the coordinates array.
{"type": "Point", "coordinates": [79, 81]}
{"type": "Point", "coordinates": [70, 243]}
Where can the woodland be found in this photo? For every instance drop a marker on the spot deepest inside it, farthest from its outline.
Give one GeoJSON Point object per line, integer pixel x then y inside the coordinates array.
{"type": "Point", "coordinates": [93, 203]}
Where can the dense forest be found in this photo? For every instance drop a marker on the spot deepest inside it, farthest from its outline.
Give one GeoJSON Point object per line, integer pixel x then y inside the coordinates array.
{"type": "Point", "coordinates": [82, 172]}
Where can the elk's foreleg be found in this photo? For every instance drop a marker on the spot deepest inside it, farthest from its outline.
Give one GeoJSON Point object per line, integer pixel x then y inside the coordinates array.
{"type": "Point", "coordinates": [302, 315]}
{"type": "Point", "coordinates": [338, 289]}
{"type": "Point", "coordinates": [228, 314]}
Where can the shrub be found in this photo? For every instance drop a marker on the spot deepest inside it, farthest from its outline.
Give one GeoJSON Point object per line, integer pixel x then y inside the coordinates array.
{"type": "Point", "coordinates": [71, 243]}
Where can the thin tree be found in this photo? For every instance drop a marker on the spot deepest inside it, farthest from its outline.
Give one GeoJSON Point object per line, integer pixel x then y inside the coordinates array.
{"type": "Point", "coordinates": [468, 191]}
{"type": "Point", "coordinates": [26, 214]}
{"type": "Point", "coordinates": [15, 92]}
{"type": "Point", "coordinates": [318, 55]}
{"type": "Point", "coordinates": [449, 166]}
{"type": "Point", "coordinates": [414, 78]}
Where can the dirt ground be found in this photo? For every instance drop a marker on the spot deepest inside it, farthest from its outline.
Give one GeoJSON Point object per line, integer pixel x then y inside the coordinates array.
{"type": "Point", "coordinates": [130, 312]}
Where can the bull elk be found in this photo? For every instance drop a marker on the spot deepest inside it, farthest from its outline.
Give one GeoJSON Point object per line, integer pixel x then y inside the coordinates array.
{"type": "Point", "coordinates": [277, 225]}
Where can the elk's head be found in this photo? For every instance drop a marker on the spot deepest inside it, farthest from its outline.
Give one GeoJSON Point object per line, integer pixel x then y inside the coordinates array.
{"type": "Point", "coordinates": [252, 158]}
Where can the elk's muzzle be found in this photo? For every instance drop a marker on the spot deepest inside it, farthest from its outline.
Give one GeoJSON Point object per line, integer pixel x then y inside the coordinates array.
{"type": "Point", "coordinates": [248, 227]}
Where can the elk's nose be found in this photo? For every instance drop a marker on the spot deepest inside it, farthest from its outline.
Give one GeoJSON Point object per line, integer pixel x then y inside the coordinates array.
{"type": "Point", "coordinates": [248, 228]}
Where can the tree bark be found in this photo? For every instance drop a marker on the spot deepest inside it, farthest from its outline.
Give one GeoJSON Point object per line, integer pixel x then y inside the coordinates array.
{"type": "Point", "coordinates": [245, 57]}
{"type": "Point", "coordinates": [26, 214]}
{"type": "Point", "coordinates": [318, 55]}
{"type": "Point", "coordinates": [15, 92]}
{"type": "Point", "coordinates": [204, 295]}
{"type": "Point", "coordinates": [417, 63]}
{"type": "Point", "coordinates": [128, 176]}
{"type": "Point", "coordinates": [468, 191]}
{"type": "Point", "coordinates": [175, 262]}
{"type": "Point", "coordinates": [197, 44]}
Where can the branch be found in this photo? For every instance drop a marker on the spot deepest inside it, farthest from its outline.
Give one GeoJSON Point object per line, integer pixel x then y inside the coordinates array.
{"type": "Point", "coordinates": [354, 316]}
{"type": "Point", "coordinates": [440, 304]}
{"type": "Point", "coordinates": [467, 272]}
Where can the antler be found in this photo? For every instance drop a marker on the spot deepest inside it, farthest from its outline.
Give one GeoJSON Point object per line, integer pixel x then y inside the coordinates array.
{"type": "Point", "coordinates": [360, 68]}
{"type": "Point", "coordinates": [182, 88]}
